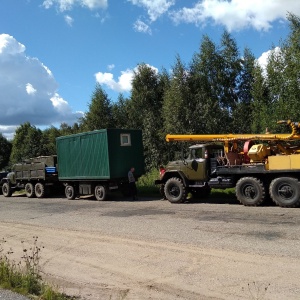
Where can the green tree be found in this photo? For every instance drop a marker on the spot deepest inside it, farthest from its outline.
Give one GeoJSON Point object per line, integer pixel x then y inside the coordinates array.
{"type": "Point", "coordinates": [206, 114]}
{"type": "Point", "coordinates": [229, 73]}
{"type": "Point", "coordinates": [119, 112]}
{"type": "Point", "coordinates": [175, 104]}
{"type": "Point", "coordinates": [49, 140]}
{"type": "Point", "coordinates": [261, 106]}
{"type": "Point", "coordinates": [242, 114]}
{"type": "Point", "coordinates": [145, 111]}
{"type": "Point", "coordinates": [99, 113]}
{"type": "Point", "coordinates": [283, 73]}
{"type": "Point", "coordinates": [26, 143]}
{"type": "Point", "coordinates": [5, 150]}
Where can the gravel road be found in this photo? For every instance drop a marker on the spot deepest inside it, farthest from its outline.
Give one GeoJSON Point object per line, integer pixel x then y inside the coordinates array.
{"type": "Point", "coordinates": [151, 249]}
{"type": "Point", "coordinates": [8, 295]}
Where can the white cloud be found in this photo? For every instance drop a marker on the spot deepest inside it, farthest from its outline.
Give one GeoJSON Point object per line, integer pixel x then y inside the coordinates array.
{"type": "Point", "coordinates": [155, 8]}
{"type": "Point", "coordinates": [237, 14]}
{"type": "Point", "coordinates": [69, 20]}
{"type": "Point", "coordinates": [30, 89]}
{"type": "Point", "coordinates": [263, 60]}
{"type": "Point", "coordinates": [124, 83]}
{"type": "Point", "coordinates": [140, 26]}
{"type": "Point", "coordinates": [111, 67]}
{"type": "Point", "coordinates": [64, 5]}
{"type": "Point", "coordinates": [27, 89]}
{"type": "Point", "coordinates": [8, 131]}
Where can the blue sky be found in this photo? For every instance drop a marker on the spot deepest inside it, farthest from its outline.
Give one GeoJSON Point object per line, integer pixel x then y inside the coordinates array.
{"type": "Point", "coordinates": [53, 52]}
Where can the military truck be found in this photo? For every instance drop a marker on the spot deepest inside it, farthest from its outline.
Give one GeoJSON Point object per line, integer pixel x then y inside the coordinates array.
{"type": "Point", "coordinates": [258, 166]}
{"type": "Point", "coordinates": [37, 176]}
{"type": "Point", "coordinates": [3, 174]}
{"type": "Point", "coordinates": [91, 163]}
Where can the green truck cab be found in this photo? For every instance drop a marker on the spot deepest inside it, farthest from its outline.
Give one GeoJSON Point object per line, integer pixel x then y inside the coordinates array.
{"type": "Point", "coordinates": [191, 174]}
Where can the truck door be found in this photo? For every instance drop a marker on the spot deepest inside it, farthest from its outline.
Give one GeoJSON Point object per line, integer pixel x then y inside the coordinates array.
{"type": "Point", "coordinates": [195, 165]}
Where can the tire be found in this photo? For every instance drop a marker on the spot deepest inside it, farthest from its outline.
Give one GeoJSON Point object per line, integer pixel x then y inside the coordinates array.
{"type": "Point", "coordinates": [70, 192]}
{"type": "Point", "coordinates": [29, 190]}
{"type": "Point", "coordinates": [285, 191]}
{"type": "Point", "coordinates": [39, 190]}
{"type": "Point", "coordinates": [250, 191]}
{"type": "Point", "coordinates": [175, 190]}
{"type": "Point", "coordinates": [6, 189]}
{"type": "Point", "coordinates": [100, 192]}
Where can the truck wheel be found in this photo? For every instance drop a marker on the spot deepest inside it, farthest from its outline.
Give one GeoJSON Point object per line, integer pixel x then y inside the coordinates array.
{"type": "Point", "coordinates": [70, 192]}
{"type": "Point", "coordinates": [29, 190]}
{"type": "Point", "coordinates": [285, 191]}
{"type": "Point", "coordinates": [250, 191]}
{"type": "Point", "coordinates": [6, 189]}
{"type": "Point", "coordinates": [39, 190]}
{"type": "Point", "coordinates": [100, 192]}
{"type": "Point", "coordinates": [175, 190]}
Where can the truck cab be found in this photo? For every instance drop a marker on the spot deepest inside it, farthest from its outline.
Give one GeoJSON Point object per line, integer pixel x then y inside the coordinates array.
{"type": "Point", "coordinates": [191, 173]}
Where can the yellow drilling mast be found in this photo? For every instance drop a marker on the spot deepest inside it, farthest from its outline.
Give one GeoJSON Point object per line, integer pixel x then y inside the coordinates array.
{"type": "Point", "coordinates": [232, 138]}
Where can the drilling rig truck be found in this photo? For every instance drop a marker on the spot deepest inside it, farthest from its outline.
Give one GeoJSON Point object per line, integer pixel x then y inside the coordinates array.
{"type": "Point", "coordinates": [258, 166]}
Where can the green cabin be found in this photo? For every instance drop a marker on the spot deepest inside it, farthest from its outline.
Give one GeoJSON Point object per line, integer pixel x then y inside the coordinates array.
{"type": "Point", "coordinates": [105, 154]}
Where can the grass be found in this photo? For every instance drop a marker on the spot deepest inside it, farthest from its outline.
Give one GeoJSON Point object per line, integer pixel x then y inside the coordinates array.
{"type": "Point", "coordinates": [24, 277]}
{"type": "Point", "coordinates": [145, 184]}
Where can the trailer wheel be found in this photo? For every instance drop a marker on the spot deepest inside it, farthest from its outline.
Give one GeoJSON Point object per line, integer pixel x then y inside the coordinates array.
{"type": "Point", "coordinates": [70, 192]}
{"type": "Point", "coordinates": [100, 192]}
{"type": "Point", "coordinates": [29, 190]}
{"type": "Point", "coordinates": [250, 191]}
{"type": "Point", "coordinates": [6, 189]}
{"type": "Point", "coordinates": [175, 190]}
{"type": "Point", "coordinates": [39, 190]}
{"type": "Point", "coordinates": [285, 191]}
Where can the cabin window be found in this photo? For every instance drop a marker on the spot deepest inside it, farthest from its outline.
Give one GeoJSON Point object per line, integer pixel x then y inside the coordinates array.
{"type": "Point", "coordinates": [125, 139]}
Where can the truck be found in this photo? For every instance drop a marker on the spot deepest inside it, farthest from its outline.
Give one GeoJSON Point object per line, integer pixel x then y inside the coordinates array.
{"type": "Point", "coordinates": [35, 175]}
{"type": "Point", "coordinates": [3, 174]}
{"type": "Point", "coordinates": [259, 167]}
{"type": "Point", "coordinates": [90, 163]}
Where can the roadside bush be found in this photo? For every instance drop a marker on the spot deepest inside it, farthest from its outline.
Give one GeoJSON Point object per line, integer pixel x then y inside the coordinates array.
{"type": "Point", "coordinates": [145, 183]}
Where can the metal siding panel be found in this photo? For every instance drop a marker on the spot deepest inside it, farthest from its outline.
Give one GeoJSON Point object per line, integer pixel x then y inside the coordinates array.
{"type": "Point", "coordinates": [83, 156]}
{"type": "Point", "coordinates": [99, 155]}
{"type": "Point", "coordinates": [122, 158]}
{"type": "Point", "coordinates": [279, 162]}
{"type": "Point", "coordinates": [94, 155]}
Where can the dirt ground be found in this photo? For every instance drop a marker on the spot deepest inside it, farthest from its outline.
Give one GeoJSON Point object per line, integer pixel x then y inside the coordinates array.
{"type": "Point", "coordinates": [151, 249]}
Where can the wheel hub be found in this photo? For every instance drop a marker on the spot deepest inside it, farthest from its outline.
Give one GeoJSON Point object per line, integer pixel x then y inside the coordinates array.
{"type": "Point", "coordinates": [249, 192]}
{"type": "Point", "coordinates": [286, 191]}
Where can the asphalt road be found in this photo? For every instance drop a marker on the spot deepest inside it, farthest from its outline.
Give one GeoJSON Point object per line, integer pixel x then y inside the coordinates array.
{"type": "Point", "coordinates": [151, 249]}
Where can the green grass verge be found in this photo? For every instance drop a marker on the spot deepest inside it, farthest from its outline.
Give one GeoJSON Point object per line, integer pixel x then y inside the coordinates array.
{"type": "Point", "coordinates": [24, 277]}
{"type": "Point", "coordinates": [146, 186]}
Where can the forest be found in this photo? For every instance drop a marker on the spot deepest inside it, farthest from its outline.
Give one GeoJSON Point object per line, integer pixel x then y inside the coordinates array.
{"type": "Point", "coordinates": [221, 90]}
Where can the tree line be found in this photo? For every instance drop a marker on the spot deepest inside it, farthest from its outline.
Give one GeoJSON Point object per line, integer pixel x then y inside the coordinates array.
{"type": "Point", "coordinates": [221, 90]}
